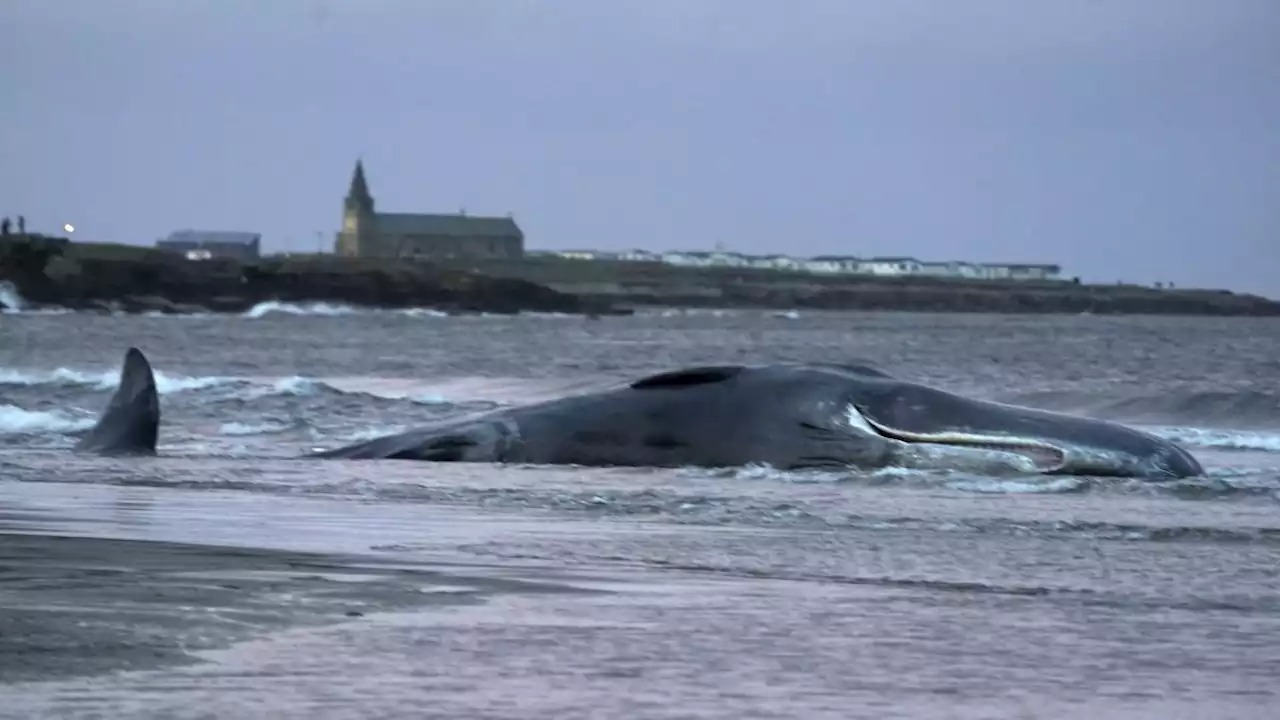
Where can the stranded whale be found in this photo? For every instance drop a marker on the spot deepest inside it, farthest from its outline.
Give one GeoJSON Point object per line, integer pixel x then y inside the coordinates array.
{"type": "Point", "coordinates": [788, 416]}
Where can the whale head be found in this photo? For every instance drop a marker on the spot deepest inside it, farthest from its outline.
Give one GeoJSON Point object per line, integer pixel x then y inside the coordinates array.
{"type": "Point", "coordinates": [930, 419]}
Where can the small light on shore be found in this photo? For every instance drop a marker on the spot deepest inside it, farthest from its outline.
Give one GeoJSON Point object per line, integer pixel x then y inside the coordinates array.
{"type": "Point", "coordinates": [69, 228]}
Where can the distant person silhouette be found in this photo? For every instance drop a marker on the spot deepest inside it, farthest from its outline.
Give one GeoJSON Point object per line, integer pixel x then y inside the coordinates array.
{"type": "Point", "coordinates": [4, 227]}
{"type": "Point", "coordinates": [22, 225]}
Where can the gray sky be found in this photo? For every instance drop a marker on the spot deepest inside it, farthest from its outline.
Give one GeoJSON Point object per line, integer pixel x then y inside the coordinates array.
{"type": "Point", "coordinates": [1134, 139]}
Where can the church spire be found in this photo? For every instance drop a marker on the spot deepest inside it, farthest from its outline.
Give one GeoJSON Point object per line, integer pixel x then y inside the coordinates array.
{"type": "Point", "coordinates": [359, 188]}
{"type": "Point", "coordinates": [358, 197]}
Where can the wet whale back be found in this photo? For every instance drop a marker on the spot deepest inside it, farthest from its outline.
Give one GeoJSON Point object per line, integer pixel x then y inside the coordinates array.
{"type": "Point", "coordinates": [714, 416]}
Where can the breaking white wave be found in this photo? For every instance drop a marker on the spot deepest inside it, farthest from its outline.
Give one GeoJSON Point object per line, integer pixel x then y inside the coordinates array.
{"type": "Point", "coordinates": [243, 388]}
{"type": "Point", "coordinates": [309, 308]}
{"type": "Point", "coordinates": [298, 386]}
{"type": "Point", "coordinates": [10, 299]}
{"type": "Point", "coordinates": [238, 429]}
{"type": "Point", "coordinates": [1221, 439]}
{"type": "Point", "coordinates": [688, 312]}
{"type": "Point", "coordinates": [12, 303]}
{"type": "Point", "coordinates": [15, 420]}
{"type": "Point", "coordinates": [105, 380]}
{"type": "Point", "coordinates": [295, 386]}
{"type": "Point", "coordinates": [422, 312]}
{"type": "Point", "coordinates": [327, 309]}
{"type": "Point", "coordinates": [370, 433]}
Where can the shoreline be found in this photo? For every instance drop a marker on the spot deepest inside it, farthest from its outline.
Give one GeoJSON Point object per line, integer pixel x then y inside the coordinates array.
{"type": "Point", "coordinates": [644, 284]}
{"type": "Point", "coordinates": [84, 606]}
{"type": "Point", "coordinates": [48, 272]}
{"type": "Point", "coordinates": [51, 273]}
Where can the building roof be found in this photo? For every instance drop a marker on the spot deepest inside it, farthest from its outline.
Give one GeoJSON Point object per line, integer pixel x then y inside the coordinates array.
{"type": "Point", "coordinates": [459, 225]}
{"type": "Point", "coordinates": [1027, 266]}
{"type": "Point", "coordinates": [211, 237]}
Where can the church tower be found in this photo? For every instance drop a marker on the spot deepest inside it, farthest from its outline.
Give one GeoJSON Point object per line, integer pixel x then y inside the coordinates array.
{"type": "Point", "coordinates": [358, 233]}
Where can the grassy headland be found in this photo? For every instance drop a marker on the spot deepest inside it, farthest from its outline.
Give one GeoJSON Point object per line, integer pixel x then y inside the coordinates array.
{"type": "Point", "coordinates": [54, 271]}
{"type": "Point", "coordinates": [130, 278]}
{"type": "Point", "coordinates": [660, 284]}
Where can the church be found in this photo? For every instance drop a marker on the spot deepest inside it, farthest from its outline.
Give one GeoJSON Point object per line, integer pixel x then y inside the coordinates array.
{"type": "Point", "coordinates": [368, 233]}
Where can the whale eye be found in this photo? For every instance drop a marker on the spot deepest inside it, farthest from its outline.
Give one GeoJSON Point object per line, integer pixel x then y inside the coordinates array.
{"type": "Point", "coordinates": [688, 377]}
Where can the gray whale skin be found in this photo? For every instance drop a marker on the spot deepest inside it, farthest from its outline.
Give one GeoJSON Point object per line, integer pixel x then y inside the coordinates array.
{"type": "Point", "coordinates": [821, 416]}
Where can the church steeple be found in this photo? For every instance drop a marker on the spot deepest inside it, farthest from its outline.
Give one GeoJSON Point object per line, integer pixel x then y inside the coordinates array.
{"type": "Point", "coordinates": [358, 196]}
{"type": "Point", "coordinates": [359, 221]}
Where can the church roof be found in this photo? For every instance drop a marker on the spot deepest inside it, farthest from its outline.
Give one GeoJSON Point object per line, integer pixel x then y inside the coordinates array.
{"type": "Point", "coordinates": [457, 224]}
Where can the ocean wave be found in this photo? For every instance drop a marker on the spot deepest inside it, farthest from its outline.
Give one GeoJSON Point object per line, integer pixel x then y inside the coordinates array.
{"type": "Point", "coordinates": [239, 429]}
{"type": "Point", "coordinates": [105, 380]}
{"type": "Point", "coordinates": [239, 388]}
{"type": "Point", "coordinates": [12, 302]}
{"type": "Point", "coordinates": [688, 312]}
{"type": "Point", "coordinates": [722, 509]}
{"type": "Point", "coordinates": [263, 309]}
{"type": "Point", "coordinates": [1249, 409]}
{"type": "Point", "coordinates": [15, 420]}
{"type": "Point", "coordinates": [719, 505]}
{"type": "Point", "coordinates": [1221, 439]}
{"type": "Point", "coordinates": [10, 299]}
{"type": "Point", "coordinates": [328, 309]}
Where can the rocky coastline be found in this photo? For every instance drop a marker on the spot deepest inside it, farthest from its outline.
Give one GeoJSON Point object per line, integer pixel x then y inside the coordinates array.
{"type": "Point", "coordinates": [54, 272]}
{"type": "Point", "coordinates": [656, 284]}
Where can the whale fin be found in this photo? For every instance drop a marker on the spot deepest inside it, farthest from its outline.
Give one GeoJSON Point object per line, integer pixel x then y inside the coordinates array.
{"type": "Point", "coordinates": [130, 425]}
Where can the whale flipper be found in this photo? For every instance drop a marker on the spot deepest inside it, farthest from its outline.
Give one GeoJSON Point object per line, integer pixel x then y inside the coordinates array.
{"type": "Point", "coordinates": [131, 423]}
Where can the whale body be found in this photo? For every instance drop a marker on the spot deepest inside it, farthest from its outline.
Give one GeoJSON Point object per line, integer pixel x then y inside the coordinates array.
{"type": "Point", "coordinates": [820, 416]}
{"type": "Point", "coordinates": [788, 416]}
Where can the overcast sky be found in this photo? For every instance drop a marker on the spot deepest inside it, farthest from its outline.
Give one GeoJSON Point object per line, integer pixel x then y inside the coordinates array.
{"type": "Point", "coordinates": [1134, 139]}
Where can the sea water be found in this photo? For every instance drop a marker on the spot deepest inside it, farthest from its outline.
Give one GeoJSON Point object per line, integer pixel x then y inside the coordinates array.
{"type": "Point", "coordinates": [630, 593]}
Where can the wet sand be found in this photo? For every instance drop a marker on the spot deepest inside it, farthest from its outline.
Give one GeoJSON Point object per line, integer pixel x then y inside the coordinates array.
{"type": "Point", "coordinates": [78, 606]}
{"type": "Point", "coordinates": [167, 602]}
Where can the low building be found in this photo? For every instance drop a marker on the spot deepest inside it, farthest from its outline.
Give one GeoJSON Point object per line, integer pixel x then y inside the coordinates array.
{"type": "Point", "coordinates": [637, 255]}
{"type": "Point", "coordinates": [954, 269]}
{"type": "Point", "coordinates": [209, 244]}
{"type": "Point", "coordinates": [833, 264]}
{"type": "Point", "coordinates": [830, 264]}
{"type": "Point", "coordinates": [579, 254]}
{"type": "Point", "coordinates": [1023, 271]}
{"type": "Point", "coordinates": [776, 262]}
{"type": "Point", "coordinates": [705, 258]}
{"type": "Point", "coordinates": [890, 266]}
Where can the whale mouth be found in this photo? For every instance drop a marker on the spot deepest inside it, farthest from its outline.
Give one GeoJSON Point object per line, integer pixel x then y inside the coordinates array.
{"type": "Point", "coordinates": [1046, 457]}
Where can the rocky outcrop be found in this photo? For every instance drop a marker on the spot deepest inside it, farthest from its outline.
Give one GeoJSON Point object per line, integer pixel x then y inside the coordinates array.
{"type": "Point", "coordinates": [56, 272]}
{"type": "Point", "coordinates": [943, 297]}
